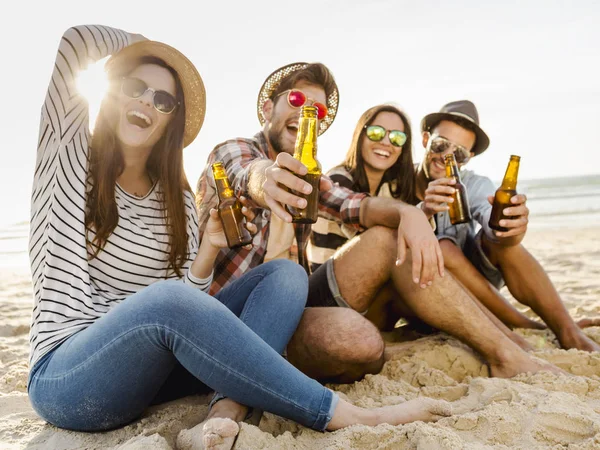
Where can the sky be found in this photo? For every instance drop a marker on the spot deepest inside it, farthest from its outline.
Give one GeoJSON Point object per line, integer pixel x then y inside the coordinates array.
{"type": "Point", "coordinates": [531, 67]}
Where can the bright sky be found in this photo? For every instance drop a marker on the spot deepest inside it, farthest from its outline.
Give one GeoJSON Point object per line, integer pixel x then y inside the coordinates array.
{"type": "Point", "coordinates": [531, 67]}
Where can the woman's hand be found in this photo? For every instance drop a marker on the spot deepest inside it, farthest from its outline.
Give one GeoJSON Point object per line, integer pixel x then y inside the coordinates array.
{"type": "Point", "coordinates": [214, 228]}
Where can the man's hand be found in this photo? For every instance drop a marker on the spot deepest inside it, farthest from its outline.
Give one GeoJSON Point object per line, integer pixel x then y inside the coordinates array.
{"type": "Point", "coordinates": [415, 233]}
{"type": "Point", "coordinates": [214, 227]}
{"type": "Point", "coordinates": [519, 218]}
{"type": "Point", "coordinates": [437, 196]}
{"type": "Point", "coordinates": [281, 175]}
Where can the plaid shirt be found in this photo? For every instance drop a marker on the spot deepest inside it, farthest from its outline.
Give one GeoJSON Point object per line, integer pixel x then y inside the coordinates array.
{"type": "Point", "coordinates": [236, 155]}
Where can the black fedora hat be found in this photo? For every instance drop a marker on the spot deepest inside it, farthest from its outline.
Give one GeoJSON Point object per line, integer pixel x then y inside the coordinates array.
{"type": "Point", "coordinates": [465, 114]}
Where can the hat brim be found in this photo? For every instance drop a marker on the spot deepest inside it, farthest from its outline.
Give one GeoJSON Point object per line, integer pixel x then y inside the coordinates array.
{"type": "Point", "coordinates": [482, 140]}
{"type": "Point", "coordinates": [194, 94]}
{"type": "Point", "coordinates": [273, 81]}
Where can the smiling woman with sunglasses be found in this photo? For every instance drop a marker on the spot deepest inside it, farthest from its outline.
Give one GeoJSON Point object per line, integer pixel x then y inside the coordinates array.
{"type": "Point", "coordinates": [379, 161]}
{"type": "Point", "coordinates": [121, 317]}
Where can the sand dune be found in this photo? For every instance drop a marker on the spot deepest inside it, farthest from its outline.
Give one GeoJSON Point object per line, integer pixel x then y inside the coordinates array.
{"type": "Point", "coordinates": [527, 412]}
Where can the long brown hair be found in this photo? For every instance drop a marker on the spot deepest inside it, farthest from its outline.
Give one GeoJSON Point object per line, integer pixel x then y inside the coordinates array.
{"type": "Point", "coordinates": [164, 165]}
{"type": "Point", "coordinates": [401, 174]}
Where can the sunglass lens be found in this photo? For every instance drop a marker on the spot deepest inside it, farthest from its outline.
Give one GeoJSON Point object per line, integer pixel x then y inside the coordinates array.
{"type": "Point", "coordinates": [296, 98]}
{"type": "Point", "coordinates": [438, 146]}
{"type": "Point", "coordinates": [397, 138]}
{"type": "Point", "coordinates": [134, 87]}
{"type": "Point", "coordinates": [164, 102]}
{"type": "Point", "coordinates": [321, 110]}
{"type": "Point", "coordinates": [462, 156]}
{"type": "Point", "coordinates": [375, 133]}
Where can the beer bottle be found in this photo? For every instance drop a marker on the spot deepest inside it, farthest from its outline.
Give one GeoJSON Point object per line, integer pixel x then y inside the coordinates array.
{"type": "Point", "coordinates": [505, 193]}
{"type": "Point", "coordinates": [230, 210]}
{"type": "Point", "coordinates": [306, 152]}
{"type": "Point", "coordinates": [459, 209]}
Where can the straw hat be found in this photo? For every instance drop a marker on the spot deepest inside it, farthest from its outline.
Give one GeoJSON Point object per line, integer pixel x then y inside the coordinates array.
{"type": "Point", "coordinates": [193, 88]}
{"type": "Point", "coordinates": [460, 111]}
{"type": "Point", "coordinates": [273, 81]}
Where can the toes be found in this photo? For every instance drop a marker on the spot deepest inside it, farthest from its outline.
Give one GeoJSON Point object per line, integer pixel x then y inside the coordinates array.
{"type": "Point", "coordinates": [222, 427]}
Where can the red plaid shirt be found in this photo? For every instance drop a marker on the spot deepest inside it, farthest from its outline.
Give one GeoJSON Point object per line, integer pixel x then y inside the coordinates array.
{"type": "Point", "coordinates": [338, 204]}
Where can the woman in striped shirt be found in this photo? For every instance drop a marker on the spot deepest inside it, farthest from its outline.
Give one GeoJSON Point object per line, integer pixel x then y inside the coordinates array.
{"type": "Point", "coordinates": [121, 316]}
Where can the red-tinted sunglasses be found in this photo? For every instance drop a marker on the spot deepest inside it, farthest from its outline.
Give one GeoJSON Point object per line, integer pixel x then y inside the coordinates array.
{"type": "Point", "coordinates": [296, 99]}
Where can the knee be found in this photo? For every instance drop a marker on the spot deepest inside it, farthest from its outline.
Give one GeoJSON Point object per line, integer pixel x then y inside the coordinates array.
{"type": "Point", "coordinates": [172, 298]}
{"type": "Point", "coordinates": [289, 279]}
{"type": "Point", "coordinates": [363, 341]}
{"type": "Point", "coordinates": [381, 240]}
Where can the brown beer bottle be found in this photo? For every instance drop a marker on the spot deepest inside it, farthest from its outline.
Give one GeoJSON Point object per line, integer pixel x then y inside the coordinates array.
{"type": "Point", "coordinates": [230, 210]}
{"type": "Point", "coordinates": [306, 152]}
{"type": "Point", "coordinates": [459, 209]}
{"type": "Point", "coordinates": [505, 193]}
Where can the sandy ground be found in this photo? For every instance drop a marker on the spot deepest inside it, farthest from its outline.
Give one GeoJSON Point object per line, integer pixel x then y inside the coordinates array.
{"type": "Point", "coordinates": [526, 412]}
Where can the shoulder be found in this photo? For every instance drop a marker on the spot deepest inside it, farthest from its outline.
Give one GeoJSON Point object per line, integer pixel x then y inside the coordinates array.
{"type": "Point", "coordinates": [236, 147]}
{"type": "Point", "coordinates": [471, 179]}
{"type": "Point", "coordinates": [340, 175]}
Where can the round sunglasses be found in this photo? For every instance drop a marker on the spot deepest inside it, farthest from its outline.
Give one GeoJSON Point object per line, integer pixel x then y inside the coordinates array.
{"type": "Point", "coordinates": [376, 133]}
{"type": "Point", "coordinates": [297, 99]}
{"type": "Point", "coordinates": [440, 145]}
{"type": "Point", "coordinates": [163, 102]}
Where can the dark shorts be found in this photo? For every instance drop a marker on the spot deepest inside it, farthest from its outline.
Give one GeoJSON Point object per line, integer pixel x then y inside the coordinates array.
{"type": "Point", "coordinates": [323, 289]}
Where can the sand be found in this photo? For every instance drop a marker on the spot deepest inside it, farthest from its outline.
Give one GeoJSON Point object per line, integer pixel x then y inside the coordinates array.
{"type": "Point", "coordinates": [526, 412]}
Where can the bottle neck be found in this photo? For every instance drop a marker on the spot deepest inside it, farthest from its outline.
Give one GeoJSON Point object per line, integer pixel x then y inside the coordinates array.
{"type": "Point", "coordinates": [509, 182]}
{"type": "Point", "coordinates": [452, 169]}
{"type": "Point", "coordinates": [222, 185]}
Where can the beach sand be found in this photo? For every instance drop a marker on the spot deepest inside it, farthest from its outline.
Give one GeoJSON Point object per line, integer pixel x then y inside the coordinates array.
{"type": "Point", "coordinates": [526, 412]}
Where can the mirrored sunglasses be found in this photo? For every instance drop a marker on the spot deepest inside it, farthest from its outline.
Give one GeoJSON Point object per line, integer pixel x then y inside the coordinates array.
{"type": "Point", "coordinates": [297, 99]}
{"type": "Point", "coordinates": [439, 144]}
{"type": "Point", "coordinates": [376, 133]}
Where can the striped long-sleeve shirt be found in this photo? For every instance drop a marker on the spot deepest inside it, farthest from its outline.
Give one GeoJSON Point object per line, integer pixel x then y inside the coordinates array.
{"type": "Point", "coordinates": [71, 289]}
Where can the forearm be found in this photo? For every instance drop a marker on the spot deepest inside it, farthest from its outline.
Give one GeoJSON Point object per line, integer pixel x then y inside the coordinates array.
{"type": "Point", "coordinates": [256, 180]}
{"type": "Point", "coordinates": [381, 211]}
{"type": "Point", "coordinates": [204, 262]}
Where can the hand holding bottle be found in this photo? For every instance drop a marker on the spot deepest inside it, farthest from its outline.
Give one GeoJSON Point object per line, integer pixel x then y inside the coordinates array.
{"type": "Point", "coordinates": [214, 227]}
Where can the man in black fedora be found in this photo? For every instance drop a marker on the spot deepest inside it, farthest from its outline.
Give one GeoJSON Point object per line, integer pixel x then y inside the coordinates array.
{"type": "Point", "coordinates": [484, 260]}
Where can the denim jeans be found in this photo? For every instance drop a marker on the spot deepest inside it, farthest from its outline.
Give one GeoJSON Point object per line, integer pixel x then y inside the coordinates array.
{"type": "Point", "coordinates": [105, 376]}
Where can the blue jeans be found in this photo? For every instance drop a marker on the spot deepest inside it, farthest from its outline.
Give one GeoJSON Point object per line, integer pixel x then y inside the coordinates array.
{"type": "Point", "coordinates": [105, 376]}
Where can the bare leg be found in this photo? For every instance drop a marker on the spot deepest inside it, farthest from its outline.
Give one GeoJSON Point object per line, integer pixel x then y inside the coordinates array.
{"type": "Point", "coordinates": [218, 431]}
{"type": "Point", "coordinates": [529, 284]}
{"type": "Point", "coordinates": [367, 262]}
{"type": "Point", "coordinates": [462, 269]}
{"type": "Point", "coordinates": [336, 345]}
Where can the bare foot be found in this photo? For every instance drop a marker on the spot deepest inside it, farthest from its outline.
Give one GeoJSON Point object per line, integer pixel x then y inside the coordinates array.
{"type": "Point", "coordinates": [585, 323]}
{"type": "Point", "coordinates": [423, 408]}
{"type": "Point", "coordinates": [215, 434]}
{"type": "Point", "coordinates": [578, 339]}
{"type": "Point", "coordinates": [523, 363]}
{"type": "Point", "coordinates": [218, 431]}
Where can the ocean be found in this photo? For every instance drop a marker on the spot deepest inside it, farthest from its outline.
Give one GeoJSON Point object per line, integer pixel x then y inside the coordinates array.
{"type": "Point", "coordinates": [568, 202]}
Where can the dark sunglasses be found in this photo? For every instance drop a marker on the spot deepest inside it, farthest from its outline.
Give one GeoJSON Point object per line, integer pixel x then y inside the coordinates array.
{"type": "Point", "coordinates": [163, 101]}
{"type": "Point", "coordinates": [297, 99]}
{"type": "Point", "coordinates": [376, 133]}
{"type": "Point", "coordinates": [439, 144]}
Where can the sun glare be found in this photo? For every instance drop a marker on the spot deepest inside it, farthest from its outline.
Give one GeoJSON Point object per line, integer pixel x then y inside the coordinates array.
{"type": "Point", "coordinates": [93, 84]}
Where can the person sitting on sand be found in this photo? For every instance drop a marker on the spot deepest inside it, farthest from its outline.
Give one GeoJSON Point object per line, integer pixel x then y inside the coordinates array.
{"type": "Point", "coordinates": [338, 343]}
{"type": "Point", "coordinates": [121, 316]}
{"type": "Point", "coordinates": [484, 260]}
